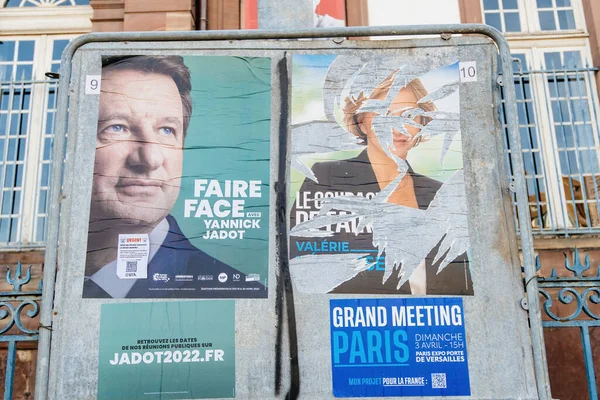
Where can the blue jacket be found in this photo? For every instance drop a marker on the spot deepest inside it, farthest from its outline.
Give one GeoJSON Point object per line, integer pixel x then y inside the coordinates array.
{"type": "Point", "coordinates": [170, 269]}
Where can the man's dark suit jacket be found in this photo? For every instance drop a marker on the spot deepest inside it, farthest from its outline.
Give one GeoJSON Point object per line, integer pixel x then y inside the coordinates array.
{"type": "Point", "coordinates": [177, 256]}
{"type": "Point", "coordinates": [355, 176]}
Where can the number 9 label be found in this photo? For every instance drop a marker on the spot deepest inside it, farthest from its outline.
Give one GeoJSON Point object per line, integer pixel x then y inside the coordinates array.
{"type": "Point", "coordinates": [92, 84]}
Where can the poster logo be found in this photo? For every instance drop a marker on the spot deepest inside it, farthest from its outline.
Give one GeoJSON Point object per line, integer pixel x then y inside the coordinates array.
{"type": "Point", "coordinates": [223, 277]}
{"type": "Point", "coordinates": [160, 277]}
{"type": "Point", "coordinates": [184, 278]}
{"type": "Point", "coordinates": [252, 277]}
{"type": "Point", "coordinates": [399, 347]}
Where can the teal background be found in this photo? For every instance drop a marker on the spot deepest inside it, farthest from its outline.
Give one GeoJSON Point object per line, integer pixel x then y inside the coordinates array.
{"type": "Point", "coordinates": [124, 324]}
{"type": "Point", "coordinates": [228, 138]}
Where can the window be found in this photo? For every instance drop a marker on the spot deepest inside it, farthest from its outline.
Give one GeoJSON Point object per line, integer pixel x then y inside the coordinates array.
{"type": "Point", "coordinates": [530, 144]}
{"type": "Point", "coordinates": [502, 15]}
{"type": "Point", "coordinates": [517, 16]}
{"type": "Point", "coordinates": [16, 66]}
{"type": "Point", "coordinates": [558, 115]}
{"type": "Point", "coordinates": [556, 15]}
{"type": "Point", "coordinates": [27, 109]}
{"type": "Point", "coordinates": [574, 123]}
{"type": "Point", "coordinates": [558, 111]}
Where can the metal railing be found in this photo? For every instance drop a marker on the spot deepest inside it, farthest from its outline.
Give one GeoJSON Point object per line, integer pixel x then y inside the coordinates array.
{"type": "Point", "coordinates": [14, 305]}
{"type": "Point", "coordinates": [559, 123]}
{"type": "Point", "coordinates": [563, 298]}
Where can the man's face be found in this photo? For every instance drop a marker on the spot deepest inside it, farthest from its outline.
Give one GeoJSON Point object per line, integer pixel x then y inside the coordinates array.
{"type": "Point", "coordinates": [139, 148]}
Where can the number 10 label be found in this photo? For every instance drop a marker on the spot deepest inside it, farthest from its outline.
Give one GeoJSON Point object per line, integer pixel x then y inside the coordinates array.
{"type": "Point", "coordinates": [467, 71]}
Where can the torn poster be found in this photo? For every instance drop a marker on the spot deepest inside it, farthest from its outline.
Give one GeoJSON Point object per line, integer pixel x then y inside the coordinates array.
{"type": "Point", "coordinates": [378, 202]}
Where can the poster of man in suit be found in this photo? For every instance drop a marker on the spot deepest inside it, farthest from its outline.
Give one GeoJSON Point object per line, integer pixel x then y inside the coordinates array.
{"type": "Point", "coordinates": [180, 193]}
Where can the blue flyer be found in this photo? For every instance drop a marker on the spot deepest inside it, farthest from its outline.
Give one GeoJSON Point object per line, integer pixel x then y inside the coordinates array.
{"type": "Point", "coordinates": [399, 347]}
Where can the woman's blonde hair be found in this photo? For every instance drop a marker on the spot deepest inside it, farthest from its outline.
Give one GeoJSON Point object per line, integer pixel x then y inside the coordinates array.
{"type": "Point", "coordinates": [353, 104]}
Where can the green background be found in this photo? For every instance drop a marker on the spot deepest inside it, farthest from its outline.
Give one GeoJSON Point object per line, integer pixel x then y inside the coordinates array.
{"type": "Point", "coordinates": [124, 324]}
{"type": "Point", "coordinates": [228, 138]}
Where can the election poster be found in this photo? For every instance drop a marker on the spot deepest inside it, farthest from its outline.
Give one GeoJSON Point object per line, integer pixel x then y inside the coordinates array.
{"type": "Point", "coordinates": [180, 192]}
{"type": "Point", "coordinates": [167, 350]}
{"type": "Point", "coordinates": [399, 347]}
{"type": "Point", "coordinates": [377, 195]}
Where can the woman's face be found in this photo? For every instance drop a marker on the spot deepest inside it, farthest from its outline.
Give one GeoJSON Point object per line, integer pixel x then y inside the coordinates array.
{"type": "Point", "coordinates": [405, 100]}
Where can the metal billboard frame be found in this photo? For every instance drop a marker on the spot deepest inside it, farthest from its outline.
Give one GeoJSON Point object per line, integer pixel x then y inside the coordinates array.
{"type": "Point", "coordinates": [510, 107]}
